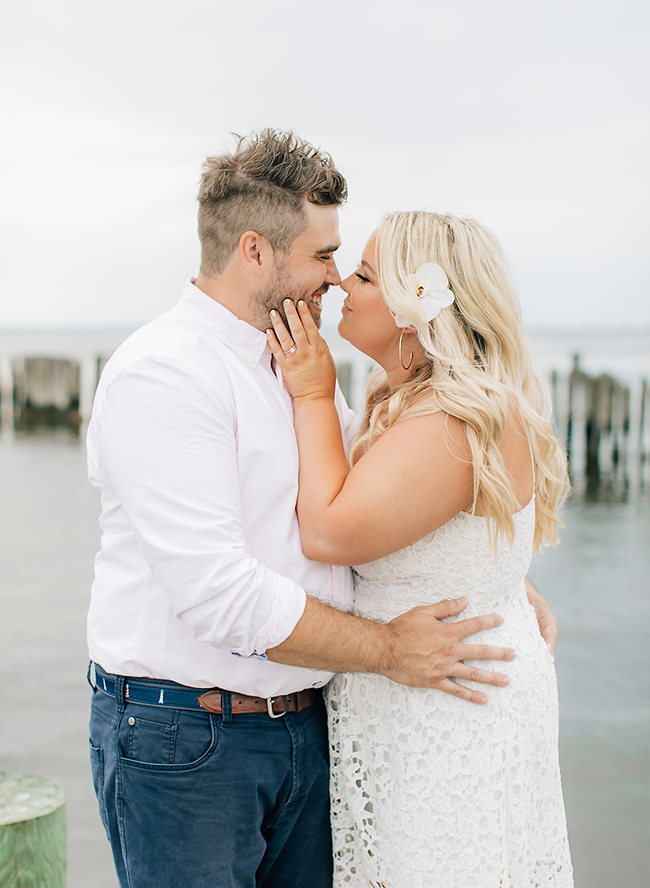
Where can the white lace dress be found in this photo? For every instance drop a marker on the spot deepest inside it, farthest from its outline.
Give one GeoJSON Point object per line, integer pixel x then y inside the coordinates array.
{"type": "Point", "coordinates": [429, 791]}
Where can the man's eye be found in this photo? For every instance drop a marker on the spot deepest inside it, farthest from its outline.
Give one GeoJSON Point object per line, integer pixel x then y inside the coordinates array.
{"type": "Point", "coordinates": [325, 258]}
{"type": "Point", "coordinates": [361, 277]}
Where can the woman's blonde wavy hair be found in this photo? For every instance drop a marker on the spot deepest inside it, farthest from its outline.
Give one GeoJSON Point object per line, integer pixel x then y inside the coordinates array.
{"type": "Point", "coordinates": [479, 368]}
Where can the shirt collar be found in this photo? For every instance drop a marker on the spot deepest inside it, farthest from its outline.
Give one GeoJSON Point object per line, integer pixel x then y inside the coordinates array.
{"type": "Point", "coordinates": [249, 343]}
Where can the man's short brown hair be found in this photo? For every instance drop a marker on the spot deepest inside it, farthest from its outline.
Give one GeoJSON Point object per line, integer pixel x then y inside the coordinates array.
{"type": "Point", "coordinates": [262, 187]}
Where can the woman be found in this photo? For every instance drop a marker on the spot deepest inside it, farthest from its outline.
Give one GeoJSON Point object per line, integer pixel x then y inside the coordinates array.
{"type": "Point", "coordinates": [455, 476]}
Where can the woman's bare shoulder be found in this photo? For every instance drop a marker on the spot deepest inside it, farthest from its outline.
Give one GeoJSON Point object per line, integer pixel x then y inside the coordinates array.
{"type": "Point", "coordinates": [430, 432]}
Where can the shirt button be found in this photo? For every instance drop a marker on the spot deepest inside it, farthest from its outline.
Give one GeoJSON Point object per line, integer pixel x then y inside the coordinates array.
{"type": "Point", "coordinates": [252, 359]}
{"type": "Point", "coordinates": [131, 721]}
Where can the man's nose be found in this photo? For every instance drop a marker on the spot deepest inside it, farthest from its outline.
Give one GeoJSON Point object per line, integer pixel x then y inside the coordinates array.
{"type": "Point", "coordinates": [332, 277]}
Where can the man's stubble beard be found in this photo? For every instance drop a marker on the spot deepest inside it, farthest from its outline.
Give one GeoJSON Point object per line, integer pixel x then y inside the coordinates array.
{"type": "Point", "coordinates": [272, 297]}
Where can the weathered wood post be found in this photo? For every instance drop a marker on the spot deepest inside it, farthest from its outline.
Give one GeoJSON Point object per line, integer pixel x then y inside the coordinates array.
{"type": "Point", "coordinates": [642, 422]}
{"type": "Point", "coordinates": [620, 424]}
{"type": "Point", "coordinates": [577, 411]}
{"type": "Point", "coordinates": [599, 419]}
{"type": "Point", "coordinates": [592, 426]}
{"type": "Point", "coordinates": [32, 832]}
{"type": "Point", "coordinates": [46, 392]}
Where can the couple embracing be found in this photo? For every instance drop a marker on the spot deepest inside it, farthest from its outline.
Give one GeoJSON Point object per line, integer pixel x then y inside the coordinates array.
{"type": "Point", "coordinates": [238, 488]}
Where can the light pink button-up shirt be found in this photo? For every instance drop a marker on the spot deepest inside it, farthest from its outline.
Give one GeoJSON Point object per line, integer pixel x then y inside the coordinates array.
{"type": "Point", "coordinates": [192, 446]}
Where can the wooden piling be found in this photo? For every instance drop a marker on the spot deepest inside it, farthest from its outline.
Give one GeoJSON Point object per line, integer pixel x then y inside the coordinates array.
{"type": "Point", "coordinates": [598, 424]}
{"type": "Point", "coordinates": [643, 418]}
{"type": "Point", "coordinates": [32, 832]}
{"type": "Point", "coordinates": [46, 392]}
{"type": "Point", "coordinates": [576, 398]}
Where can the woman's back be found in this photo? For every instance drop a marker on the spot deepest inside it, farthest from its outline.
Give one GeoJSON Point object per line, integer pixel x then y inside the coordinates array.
{"type": "Point", "coordinates": [458, 559]}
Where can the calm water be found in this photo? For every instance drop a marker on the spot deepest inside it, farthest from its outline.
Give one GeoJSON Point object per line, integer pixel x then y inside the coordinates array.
{"type": "Point", "coordinates": [597, 582]}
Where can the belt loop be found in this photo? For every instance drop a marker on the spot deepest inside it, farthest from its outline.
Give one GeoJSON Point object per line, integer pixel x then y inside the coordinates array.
{"type": "Point", "coordinates": [226, 707]}
{"type": "Point", "coordinates": [120, 681]}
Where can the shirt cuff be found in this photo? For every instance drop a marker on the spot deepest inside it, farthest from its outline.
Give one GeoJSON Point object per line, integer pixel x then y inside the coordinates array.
{"type": "Point", "coordinates": [289, 607]}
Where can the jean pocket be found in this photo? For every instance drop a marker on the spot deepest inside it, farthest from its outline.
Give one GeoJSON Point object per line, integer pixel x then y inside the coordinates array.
{"type": "Point", "coordinates": [165, 739]}
{"type": "Point", "coordinates": [97, 767]}
{"type": "Point", "coordinates": [148, 741]}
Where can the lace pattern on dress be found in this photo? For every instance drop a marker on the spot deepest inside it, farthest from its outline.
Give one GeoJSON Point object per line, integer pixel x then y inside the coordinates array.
{"type": "Point", "coordinates": [429, 791]}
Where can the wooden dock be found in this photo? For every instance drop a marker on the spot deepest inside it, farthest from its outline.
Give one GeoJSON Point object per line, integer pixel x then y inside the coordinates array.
{"type": "Point", "coordinates": [603, 423]}
{"type": "Point", "coordinates": [604, 426]}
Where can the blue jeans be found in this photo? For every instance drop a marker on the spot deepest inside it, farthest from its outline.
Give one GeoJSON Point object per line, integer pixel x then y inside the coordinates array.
{"type": "Point", "coordinates": [195, 800]}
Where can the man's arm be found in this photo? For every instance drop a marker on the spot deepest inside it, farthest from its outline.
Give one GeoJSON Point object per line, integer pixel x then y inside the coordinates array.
{"type": "Point", "coordinates": [415, 649]}
{"type": "Point", "coordinates": [169, 457]}
{"type": "Point", "coordinates": [545, 616]}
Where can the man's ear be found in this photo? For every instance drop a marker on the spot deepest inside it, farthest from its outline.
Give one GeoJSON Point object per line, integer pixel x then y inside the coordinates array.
{"type": "Point", "coordinates": [255, 253]}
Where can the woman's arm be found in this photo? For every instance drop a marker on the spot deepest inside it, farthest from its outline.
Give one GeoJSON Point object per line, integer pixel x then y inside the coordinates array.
{"type": "Point", "coordinates": [310, 377]}
{"type": "Point", "coordinates": [388, 492]}
{"type": "Point", "coordinates": [545, 617]}
{"type": "Point", "coordinates": [411, 482]}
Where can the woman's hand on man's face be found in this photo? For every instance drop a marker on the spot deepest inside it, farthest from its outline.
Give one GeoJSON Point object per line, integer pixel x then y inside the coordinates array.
{"type": "Point", "coordinates": [301, 353]}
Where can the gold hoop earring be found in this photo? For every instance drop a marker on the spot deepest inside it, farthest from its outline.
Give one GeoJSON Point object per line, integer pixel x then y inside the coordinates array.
{"type": "Point", "coordinates": [401, 359]}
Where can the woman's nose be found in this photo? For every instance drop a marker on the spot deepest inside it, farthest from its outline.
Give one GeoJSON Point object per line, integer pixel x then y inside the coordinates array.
{"type": "Point", "coordinates": [347, 284]}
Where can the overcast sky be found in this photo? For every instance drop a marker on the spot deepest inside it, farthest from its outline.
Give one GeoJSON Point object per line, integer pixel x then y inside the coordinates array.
{"type": "Point", "coordinates": [531, 117]}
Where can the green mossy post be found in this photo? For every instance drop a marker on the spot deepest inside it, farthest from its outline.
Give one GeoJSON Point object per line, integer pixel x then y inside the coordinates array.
{"type": "Point", "coordinates": [32, 832]}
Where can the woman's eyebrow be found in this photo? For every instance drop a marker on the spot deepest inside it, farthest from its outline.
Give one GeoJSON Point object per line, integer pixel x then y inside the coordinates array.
{"type": "Point", "coordinates": [368, 266]}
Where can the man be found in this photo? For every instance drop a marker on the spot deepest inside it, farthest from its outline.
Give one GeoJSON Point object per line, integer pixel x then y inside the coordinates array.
{"type": "Point", "coordinates": [210, 633]}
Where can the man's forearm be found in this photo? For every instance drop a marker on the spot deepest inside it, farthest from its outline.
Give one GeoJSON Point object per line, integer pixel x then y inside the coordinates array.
{"type": "Point", "coordinates": [416, 649]}
{"type": "Point", "coordinates": [326, 638]}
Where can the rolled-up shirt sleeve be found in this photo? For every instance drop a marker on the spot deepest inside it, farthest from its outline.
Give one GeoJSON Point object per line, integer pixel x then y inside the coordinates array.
{"type": "Point", "coordinates": [168, 453]}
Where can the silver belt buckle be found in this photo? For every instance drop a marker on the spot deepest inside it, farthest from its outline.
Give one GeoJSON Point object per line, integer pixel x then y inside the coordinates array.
{"type": "Point", "coordinates": [269, 708]}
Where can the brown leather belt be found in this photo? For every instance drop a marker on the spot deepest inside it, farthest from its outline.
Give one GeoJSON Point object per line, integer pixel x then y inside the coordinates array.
{"type": "Point", "coordinates": [276, 707]}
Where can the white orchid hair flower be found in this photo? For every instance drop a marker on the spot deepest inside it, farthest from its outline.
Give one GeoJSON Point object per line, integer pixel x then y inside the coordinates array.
{"type": "Point", "coordinates": [430, 287]}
